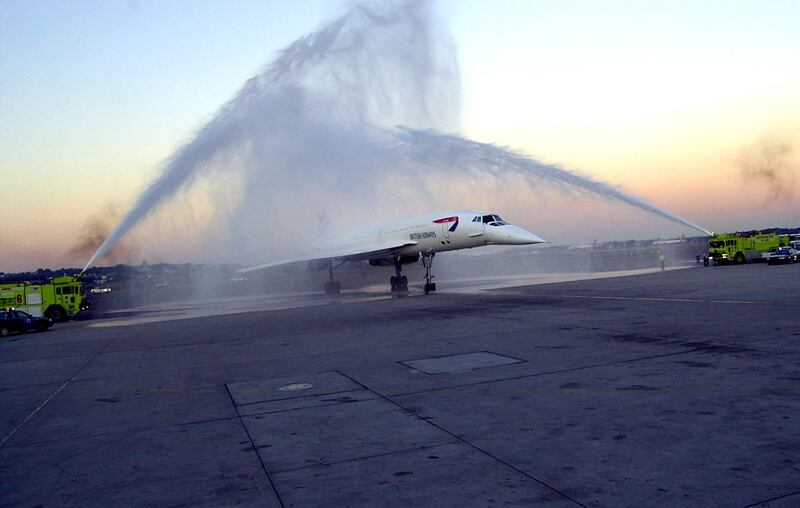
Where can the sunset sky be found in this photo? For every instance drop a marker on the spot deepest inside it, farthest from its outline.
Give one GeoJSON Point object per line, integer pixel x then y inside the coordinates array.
{"type": "Point", "coordinates": [672, 101]}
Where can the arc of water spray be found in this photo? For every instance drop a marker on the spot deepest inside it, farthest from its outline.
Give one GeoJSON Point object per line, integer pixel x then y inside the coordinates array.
{"type": "Point", "coordinates": [341, 38]}
{"type": "Point", "coordinates": [428, 146]}
{"type": "Point", "coordinates": [437, 148]}
{"type": "Point", "coordinates": [360, 73]}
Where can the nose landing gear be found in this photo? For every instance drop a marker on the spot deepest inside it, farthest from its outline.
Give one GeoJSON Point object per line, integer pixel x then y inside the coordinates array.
{"type": "Point", "coordinates": [427, 262]}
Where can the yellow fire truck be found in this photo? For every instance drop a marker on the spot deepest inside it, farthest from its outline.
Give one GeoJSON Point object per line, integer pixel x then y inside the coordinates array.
{"type": "Point", "coordinates": [58, 300]}
{"type": "Point", "coordinates": [741, 248]}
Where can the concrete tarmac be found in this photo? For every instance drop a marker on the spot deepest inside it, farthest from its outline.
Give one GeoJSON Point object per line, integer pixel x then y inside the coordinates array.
{"type": "Point", "coordinates": [678, 388]}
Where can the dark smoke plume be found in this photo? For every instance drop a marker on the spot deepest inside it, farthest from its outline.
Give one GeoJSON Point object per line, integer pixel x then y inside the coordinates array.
{"type": "Point", "coordinates": [95, 230]}
{"type": "Point", "coordinates": [771, 163]}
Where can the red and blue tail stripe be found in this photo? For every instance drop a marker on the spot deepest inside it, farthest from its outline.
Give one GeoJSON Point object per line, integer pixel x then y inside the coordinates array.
{"type": "Point", "coordinates": [445, 220]}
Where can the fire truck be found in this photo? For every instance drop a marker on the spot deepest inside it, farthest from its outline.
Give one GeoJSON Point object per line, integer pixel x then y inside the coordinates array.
{"type": "Point", "coordinates": [59, 299]}
{"type": "Point", "coordinates": [741, 248]}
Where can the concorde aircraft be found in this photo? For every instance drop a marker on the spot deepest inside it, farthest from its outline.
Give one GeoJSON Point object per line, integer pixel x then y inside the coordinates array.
{"type": "Point", "coordinates": [406, 241]}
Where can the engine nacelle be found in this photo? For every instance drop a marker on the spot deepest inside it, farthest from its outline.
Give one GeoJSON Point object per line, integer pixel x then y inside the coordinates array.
{"type": "Point", "coordinates": [404, 260]}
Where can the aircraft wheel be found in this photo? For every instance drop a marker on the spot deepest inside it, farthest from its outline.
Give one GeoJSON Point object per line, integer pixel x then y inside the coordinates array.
{"type": "Point", "coordinates": [433, 286]}
{"type": "Point", "coordinates": [333, 287]}
{"type": "Point", "coordinates": [427, 288]}
{"type": "Point", "coordinates": [393, 282]}
{"type": "Point", "coordinates": [404, 282]}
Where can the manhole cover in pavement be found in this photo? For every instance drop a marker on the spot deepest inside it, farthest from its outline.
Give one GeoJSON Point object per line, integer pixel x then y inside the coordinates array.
{"type": "Point", "coordinates": [295, 387]}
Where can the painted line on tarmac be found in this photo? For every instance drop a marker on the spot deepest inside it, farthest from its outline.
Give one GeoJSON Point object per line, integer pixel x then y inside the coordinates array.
{"type": "Point", "coordinates": [652, 299]}
{"type": "Point", "coordinates": [68, 381]}
{"type": "Point", "coordinates": [48, 399]}
{"type": "Point", "coordinates": [735, 301]}
{"type": "Point", "coordinates": [229, 309]}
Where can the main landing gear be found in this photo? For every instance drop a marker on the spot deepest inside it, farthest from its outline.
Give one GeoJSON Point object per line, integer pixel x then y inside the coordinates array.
{"type": "Point", "coordinates": [332, 287]}
{"type": "Point", "coordinates": [427, 262]}
{"type": "Point", "coordinates": [399, 281]}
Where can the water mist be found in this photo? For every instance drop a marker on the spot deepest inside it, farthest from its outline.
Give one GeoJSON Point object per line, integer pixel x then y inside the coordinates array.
{"type": "Point", "coordinates": [347, 122]}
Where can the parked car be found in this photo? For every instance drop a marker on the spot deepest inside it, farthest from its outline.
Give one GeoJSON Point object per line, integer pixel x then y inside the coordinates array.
{"type": "Point", "coordinates": [19, 321]}
{"type": "Point", "coordinates": [782, 255]}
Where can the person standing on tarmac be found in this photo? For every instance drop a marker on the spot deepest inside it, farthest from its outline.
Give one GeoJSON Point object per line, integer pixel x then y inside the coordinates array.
{"type": "Point", "coordinates": [661, 259]}
{"type": "Point", "coordinates": [705, 259]}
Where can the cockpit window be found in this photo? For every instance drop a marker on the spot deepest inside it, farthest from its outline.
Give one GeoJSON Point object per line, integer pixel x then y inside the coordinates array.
{"type": "Point", "coordinates": [488, 219]}
{"type": "Point", "coordinates": [500, 221]}
{"type": "Point", "coordinates": [494, 220]}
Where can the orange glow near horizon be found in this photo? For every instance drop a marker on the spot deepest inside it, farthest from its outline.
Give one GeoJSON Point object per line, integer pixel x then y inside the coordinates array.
{"type": "Point", "coordinates": [644, 97]}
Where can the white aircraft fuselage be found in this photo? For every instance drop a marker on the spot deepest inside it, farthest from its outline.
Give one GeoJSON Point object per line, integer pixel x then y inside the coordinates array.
{"type": "Point", "coordinates": [436, 232]}
{"type": "Point", "coordinates": [406, 241]}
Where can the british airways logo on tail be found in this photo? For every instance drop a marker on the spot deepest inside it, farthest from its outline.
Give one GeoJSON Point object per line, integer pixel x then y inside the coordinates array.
{"type": "Point", "coordinates": [445, 220]}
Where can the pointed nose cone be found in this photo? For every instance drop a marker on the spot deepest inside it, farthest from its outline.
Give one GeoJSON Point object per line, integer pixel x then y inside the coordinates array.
{"type": "Point", "coordinates": [514, 235]}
